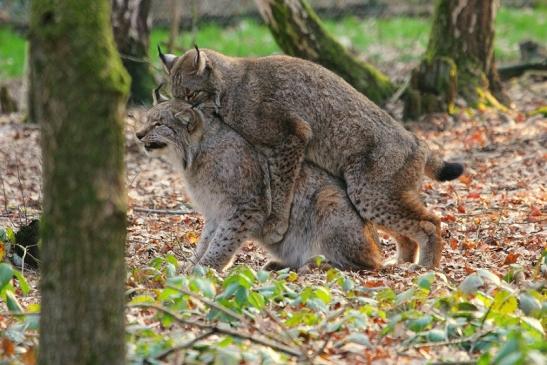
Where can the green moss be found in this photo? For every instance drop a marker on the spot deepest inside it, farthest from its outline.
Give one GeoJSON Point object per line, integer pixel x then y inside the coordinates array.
{"type": "Point", "coordinates": [316, 44]}
{"type": "Point", "coordinates": [83, 223]}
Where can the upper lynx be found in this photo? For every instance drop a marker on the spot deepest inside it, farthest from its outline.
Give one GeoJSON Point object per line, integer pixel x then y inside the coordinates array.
{"type": "Point", "coordinates": [228, 182]}
{"type": "Point", "coordinates": [288, 107]}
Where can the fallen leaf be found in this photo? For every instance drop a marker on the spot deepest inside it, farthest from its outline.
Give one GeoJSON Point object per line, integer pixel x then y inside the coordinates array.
{"type": "Point", "coordinates": [511, 258]}
{"type": "Point", "coordinates": [8, 347]}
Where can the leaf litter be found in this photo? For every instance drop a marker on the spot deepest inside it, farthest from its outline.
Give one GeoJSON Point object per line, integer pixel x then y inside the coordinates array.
{"type": "Point", "coordinates": [474, 308]}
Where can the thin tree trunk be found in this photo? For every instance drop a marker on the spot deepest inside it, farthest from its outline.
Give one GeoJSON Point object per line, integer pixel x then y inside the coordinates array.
{"type": "Point", "coordinates": [299, 32]}
{"type": "Point", "coordinates": [459, 60]}
{"type": "Point", "coordinates": [174, 26]}
{"type": "Point", "coordinates": [80, 107]}
{"type": "Point", "coordinates": [131, 24]}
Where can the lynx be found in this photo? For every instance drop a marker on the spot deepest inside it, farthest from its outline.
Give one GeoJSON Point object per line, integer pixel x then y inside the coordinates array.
{"type": "Point", "coordinates": [228, 182]}
{"type": "Point", "coordinates": [289, 108]}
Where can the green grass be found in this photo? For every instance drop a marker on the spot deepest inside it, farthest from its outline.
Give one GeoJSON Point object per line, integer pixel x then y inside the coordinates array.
{"type": "Point", "coordinates": [12, 54]}
{"type": "Point", "coordinates": [381, 40]}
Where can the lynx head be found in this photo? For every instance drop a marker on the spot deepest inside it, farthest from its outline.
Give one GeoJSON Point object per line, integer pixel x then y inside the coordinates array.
{"type": "Point", "coordinates": [172, 127]}
{"type": "Point", "coordinates": [193, 75]}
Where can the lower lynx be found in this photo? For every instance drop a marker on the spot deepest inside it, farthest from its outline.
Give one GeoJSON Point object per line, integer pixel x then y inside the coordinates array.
{"type": "Point", "coordinates": [229, 183]}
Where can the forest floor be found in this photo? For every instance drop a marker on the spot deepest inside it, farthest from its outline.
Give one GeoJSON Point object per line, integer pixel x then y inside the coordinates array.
{"type": "Point", "coordinates": [493, 217]}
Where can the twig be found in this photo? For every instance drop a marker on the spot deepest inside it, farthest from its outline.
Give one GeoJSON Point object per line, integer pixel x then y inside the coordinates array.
{"type": "Point", "coordinates": [25, 253]}
{"type": "Point", "coordinates": [400, 91]}
{"type": "Point", "coordinates": [289, 335]}
{"type": "Point", "coordinates": [322, 348]}
{"type": "Point", "coordinates": [4, 193]}
{"type": "Point", "coordinates": [188, 344]}
{"type": "Point", "coordinates": [163, 211]}
{"type": "Point", "coordinates": [227, 331]}
{"type": "Point", "coordinates": [226, 311]}
{"type": "Point", "coordinates": [456, 341]}
{"type": "Point", "coordinates": [22, 189]}
{"type": "Point", "coordinates": [20, 314]}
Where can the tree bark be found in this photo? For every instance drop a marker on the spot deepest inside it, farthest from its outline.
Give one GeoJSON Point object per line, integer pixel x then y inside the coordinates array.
{"type": "Point", "coordinates": [299, 32]}
{"type": "Point", "coordinates": [131, 25]}
{"type": "Point", "coordinates": [80, 106]}
{"type": "Point", "coordinates": [459, 60]}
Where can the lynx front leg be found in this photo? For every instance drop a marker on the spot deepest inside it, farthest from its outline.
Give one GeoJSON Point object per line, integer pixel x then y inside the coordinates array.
{"type": "Point", "coordinates": [284, 163]}
{"type": "Point", "coordinates": [206, 235]}
{"type": "Point", "coordinates": [228, 237]}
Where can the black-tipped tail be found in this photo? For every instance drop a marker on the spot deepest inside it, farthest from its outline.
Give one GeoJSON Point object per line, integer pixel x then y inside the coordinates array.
{"type": "Point", "coordinates": [450, 171]}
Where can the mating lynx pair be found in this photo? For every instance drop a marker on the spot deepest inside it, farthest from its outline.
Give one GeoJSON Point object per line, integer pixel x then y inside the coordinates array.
{"type": "Point", "coordinates": [289, 110]}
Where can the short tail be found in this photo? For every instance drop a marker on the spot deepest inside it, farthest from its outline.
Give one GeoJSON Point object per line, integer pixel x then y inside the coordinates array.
{"type": "Point", "coordinates": [440, 170]}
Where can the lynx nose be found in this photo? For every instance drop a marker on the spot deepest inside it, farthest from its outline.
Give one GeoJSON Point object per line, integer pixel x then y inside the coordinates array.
{"type": "Point", "coordinates": [140, 134]}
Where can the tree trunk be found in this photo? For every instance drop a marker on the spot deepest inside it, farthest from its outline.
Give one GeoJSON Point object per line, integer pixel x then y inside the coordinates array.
{"type": "Point", "coordinates": [131, 25]}
{"type": "Point", "coordinates": [459, 60]}
{"type": "Point", "coordinates": [299, 32]}
{"type": "Point", "coordinates": [80, 107]}
{"type": "Point", "coordinates": [174, 26]}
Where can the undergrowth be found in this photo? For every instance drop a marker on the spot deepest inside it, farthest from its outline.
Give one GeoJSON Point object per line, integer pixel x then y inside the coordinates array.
{"type": "Point", "coordinates": [259, 317]}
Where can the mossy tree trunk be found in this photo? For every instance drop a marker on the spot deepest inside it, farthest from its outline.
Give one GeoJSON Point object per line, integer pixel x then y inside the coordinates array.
{"type": "Point", "coordinates": [299, 32]}
{"type": "Point", "coordinates": [131, 25]}
{"type": "Point", "coordinates": [83, 90]}
{"type": "Point", "coordinates": [459, 60]}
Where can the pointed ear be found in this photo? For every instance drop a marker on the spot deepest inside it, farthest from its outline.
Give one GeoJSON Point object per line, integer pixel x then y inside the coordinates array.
{"type": "Point", "coordinates": [157, 96]}
{"type": "Point", "coordinates": [168, 60]}
{"type": "Point", "coordinates": [190, 119]}
{"type": "Point", "coordinates": [200, 61]}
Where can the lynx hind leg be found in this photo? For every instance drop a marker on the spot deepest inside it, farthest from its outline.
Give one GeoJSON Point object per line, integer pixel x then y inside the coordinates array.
{"type": "Point", "coordinates": [403, 213]}
{"type": "Point", "coordinates": [346, 241]}
{"type": "Point", "coordinates": [407, 249]}
{"type": "Point", "coordinates": [284, 164]}
{"type": "Point", "coordinates": [355, 246]}
{"type": "Point", "coordinates": [228, 237]}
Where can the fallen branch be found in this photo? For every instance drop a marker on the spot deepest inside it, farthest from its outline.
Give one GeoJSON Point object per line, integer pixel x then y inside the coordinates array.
{"type": "Point", "coordinates": [224, 330]}
{"type": "Point", "coordinates": [508, 72]}
{"type": "Point", "coordinates": [163, 211]}
{"type": "Point", "coordinates": [186, 345]}
{"type": "Point", "coordinates": [456, 341]}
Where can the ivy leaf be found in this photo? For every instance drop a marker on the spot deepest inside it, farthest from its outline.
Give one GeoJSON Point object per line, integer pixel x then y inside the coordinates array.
{"type": "Point", "coordinates": [139, 299]}
{"type": "Point", "coordinates": [529, 305]}
{"type": "Point", "coordinates": [23, 284]}
{"type": "Point", "coordinates": [471, 284]}
{"type": "Point", "coordinates": [12, 303]}
{"type": "Point", "coordinates": [359, 338]}
{"type": "Point", "coordinates": [6, 273]}
{"type": "Point", "coordinates": [436, 335]}
{"type": "Point", "coordinates": [490, 276]}
{"type": "Point", "coordinates": [425, 281]}
{"type": "Point", "coordinates": [323, 294]}
{"type": "Point", "coordinates": [256, 300]}
{"type": "Point", "coordinates": [419, 324]}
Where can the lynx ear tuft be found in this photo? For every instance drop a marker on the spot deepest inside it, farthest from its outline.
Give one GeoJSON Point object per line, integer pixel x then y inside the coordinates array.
{"type": "Point", "coordinates": [168, 60]}
{"type": "Point", "coordinates": [157, 96]}
{"type": "Point", "coordinates": [200, 61]}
